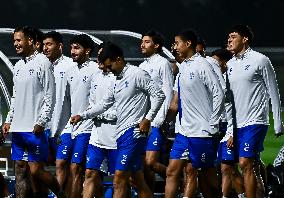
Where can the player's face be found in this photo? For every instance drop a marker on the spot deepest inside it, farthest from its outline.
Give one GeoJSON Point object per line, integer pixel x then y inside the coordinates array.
{"type": "Point", "coordinates": [115, 66]}
{"type": "Point", "coordinates": [78, 53]}
{"type": "Point", "coordinates": [181, 47]}
{"type": "Point", "coordinates": [235, 43]}
{"type": "Point", "coordinates": [23, 45]}
{"type": "Point", "coordinates": [52, 49]}
{"type": "Point", "coordinates": [148, 47]}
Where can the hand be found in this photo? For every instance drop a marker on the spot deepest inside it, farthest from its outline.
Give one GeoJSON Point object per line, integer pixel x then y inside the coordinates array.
{"type": "Point", "coordinates": [38, 129]}
{"type": "Point", "coordinates": [230, 142]}
{"type": "Point", "coordinates": [75, 119]}
{"type": "Point", "coordinates": [277, 135]}
{"type": "Point", "coordinates": [6, 128]}
{"type": "Point", "coordinates": [144, 126]}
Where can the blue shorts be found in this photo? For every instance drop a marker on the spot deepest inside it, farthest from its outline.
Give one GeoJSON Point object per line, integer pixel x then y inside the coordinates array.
{"type": "Point", "coordinates": [30, 147]}
{"type": "Point", "coordinates": [202, 152]}
{"type": "Point", "coordinates": [130, 147]}
{"type": "Point", "coordinates": [250, 140]}
{"type": "Point", "coordinates": [73, 150]}
{"type": "Point", "coordinates": [180, 148]}
{"type": "Point", "coordinates": [101, 159]}
{"type": "Point", "coordinates": [226, 154]}
{"type": "Point", "coordinates": [155, 140]}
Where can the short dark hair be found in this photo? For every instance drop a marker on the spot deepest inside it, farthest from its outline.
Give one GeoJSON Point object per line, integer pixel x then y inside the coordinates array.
{"type": "Point", "coordinates": [28, 32]}
{"type": "Point", "coordinates": [201, 41]}
{"type": "Point", "coordinates": [39, 35]}
{"type": "Point", "coordinates": [243, 30]}
{"type": "Point", "coordinates": [189, 35]}
{"type": "Point", "coordinates": [56, 36]}
{"type": "Point", "coordinates": [111, 51]}
{"type": "Point", "coordinates": [222, 53]}
{"type": "Point", "coordinates": [84, 40]}
{"type": "Point", "coordinates": [156, 37]}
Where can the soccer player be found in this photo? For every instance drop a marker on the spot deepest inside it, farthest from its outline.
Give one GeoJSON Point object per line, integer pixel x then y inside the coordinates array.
{"type": "Point", "coordinates": [200, 104]}
{"type": "Point", "coordinates": [253, 83]}
{"type": "Point", "coordinates": [231, 176]}
{"type": "Point", "coordinates": [130, 94]}
{"type": "Point", "coordinates": [74, 138]}
{"type": "Point", "coordinates": [160, 70]}
{"type": "Point", "coordinates": [52, 48]}
{"type": "Point", "coordinates": [101, 153]}
{"type": "Point", "coordinates": [30, 111]}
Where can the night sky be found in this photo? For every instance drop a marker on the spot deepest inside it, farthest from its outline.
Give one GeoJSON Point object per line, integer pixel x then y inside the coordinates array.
{"type": "Point", "coordinates": [211, 19]}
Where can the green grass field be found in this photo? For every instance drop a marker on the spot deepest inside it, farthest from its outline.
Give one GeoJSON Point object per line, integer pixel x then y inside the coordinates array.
{"type": "Point", "coordinates": [271, 144]}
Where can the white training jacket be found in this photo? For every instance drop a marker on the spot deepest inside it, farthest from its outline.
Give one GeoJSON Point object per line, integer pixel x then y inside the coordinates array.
{"type": "Point", "coordinates": [33, 93]}
{"type": "Point", "coordinates": [161, 72]}
{"type": "Point", "coordinates": [79, 79]}
{"type": "Point", "coordinates": [62, 108]}
{"type": "Point", "coordinates": [227, 114]}
{"type": "Point", "coordinates": [253, 82]}
{"type": "Point", "coordinates": [104, 129]}
{"type": "Point", "coordinates": [201, 98]}
{"type": "Point", "coordinates": [132, 87]}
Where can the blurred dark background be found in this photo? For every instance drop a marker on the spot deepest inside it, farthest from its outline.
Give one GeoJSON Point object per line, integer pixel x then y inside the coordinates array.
{"type": "Point", "coordinates": [211, 19]}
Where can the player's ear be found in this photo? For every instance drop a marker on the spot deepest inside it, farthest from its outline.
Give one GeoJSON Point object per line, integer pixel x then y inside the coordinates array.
{"type": "Point", "coordinates": [61, 46]}
{"type": "Point", "coordinates": [188, 43]}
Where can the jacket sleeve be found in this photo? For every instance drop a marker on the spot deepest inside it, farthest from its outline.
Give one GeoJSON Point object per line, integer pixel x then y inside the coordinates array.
{"type": "Point", "coordinates": [166, 74]}
{"type": "Point", "coordinates": [10, 114]}
{"type": "Point", "coordinates": [216, 90]}
{"type": "Point", "coordinates": [48, 87]}
{"type": "Point", "coordinates": [96, 109]}
{"type": "Point", "coordinates": [269, 78]}
{"type": "Point", "coordinates": [144, 82]}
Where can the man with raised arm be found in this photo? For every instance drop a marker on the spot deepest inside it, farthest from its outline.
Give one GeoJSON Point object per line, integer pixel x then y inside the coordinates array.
{"type": "Point", "coordinates": [130, 92]}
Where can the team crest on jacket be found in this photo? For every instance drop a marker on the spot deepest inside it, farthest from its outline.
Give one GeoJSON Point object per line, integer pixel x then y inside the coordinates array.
{"type": "Point", "coordinates": [126, 84]}
{"type": "Point", "coordinates": [85, 79]}
{"type": "Point", "coordinates": [230, 70]}
{"type": "Point", "coordinates": [17, 72]}
{"type": "Point", "coordinates": [247, 67]}
{"type": "Point", "coordinates": [62, 74]}
{"type": "Point", "coordinates": [31, 71]}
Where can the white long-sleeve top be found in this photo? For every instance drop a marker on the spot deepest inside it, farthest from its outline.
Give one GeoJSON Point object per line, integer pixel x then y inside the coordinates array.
{"type": "Point", "coordinates": [161, 72]}
{"type": "Point", "coordinates": [33, 93]}
{"type": "Point", "coordinates": [227, 114]}
{"type": "Point", "coordinates": [216, 68]}
{"type": "Point", "coordinates": [132, 87]}
{"type": "Point", "coordinates": [201, 99]}
{"type": "Point", "coordinates": [175, 89]}
{"type": "Point", "coordinates": [253, 83]}
{"type": "Point", "coordinates": [104, 129]}
{"type": "Point", "coordinates": [79, 80]}
{"type": "Point", "coordinates": [62, 108]}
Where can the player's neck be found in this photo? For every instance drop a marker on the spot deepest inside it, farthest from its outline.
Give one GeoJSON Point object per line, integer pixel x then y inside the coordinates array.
{"type": "Point", "coordinates": [190, 53]}
{"type": "Point", "coordinates": [241, 51]}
